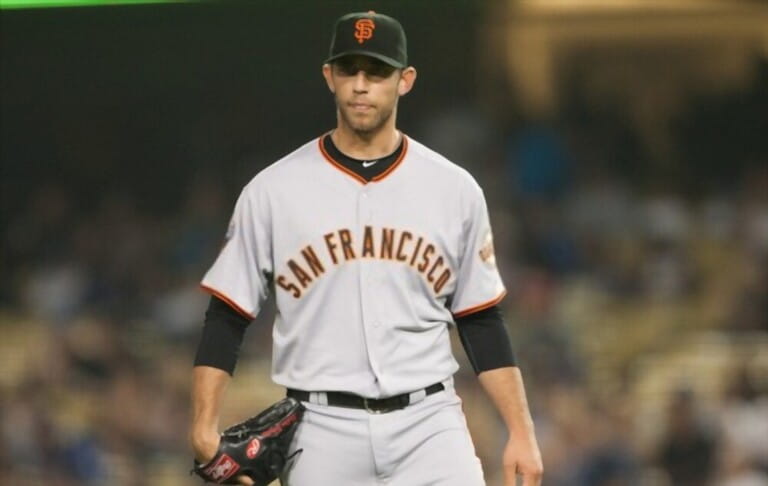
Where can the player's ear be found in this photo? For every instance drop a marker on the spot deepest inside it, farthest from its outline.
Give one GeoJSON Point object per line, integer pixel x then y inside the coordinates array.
{"type": "Point", "coordinates": [328, 75]}
{"type": "Point", "coordinates": [407, 78]}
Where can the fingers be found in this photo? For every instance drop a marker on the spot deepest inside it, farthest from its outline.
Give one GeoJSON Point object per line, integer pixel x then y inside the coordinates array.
{"type": "Point", "coordinates": [530, 481]}
{"type": "Point", "coordinates": [532, 478]}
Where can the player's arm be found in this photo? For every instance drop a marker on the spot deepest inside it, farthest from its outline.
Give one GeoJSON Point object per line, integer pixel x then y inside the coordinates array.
{"type": "Point", "coordinates": [208, 387]}
{"type": "Point", "coordinates": [522, 456]}
{"type": "Point", "coordinates": [486, 341]}
{"type": "Point", "coordinates": [215, 362]}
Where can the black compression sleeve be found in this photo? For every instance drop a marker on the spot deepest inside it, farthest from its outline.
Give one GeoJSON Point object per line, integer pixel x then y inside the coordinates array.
{"type": "Point", "coordinates": [223, 334]}
{"type": "Point", "coordinates": [485, 340]}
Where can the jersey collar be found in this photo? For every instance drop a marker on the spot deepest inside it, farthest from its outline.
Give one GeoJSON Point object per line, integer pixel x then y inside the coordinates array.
{"type": "Point", "coordinates": [338, 165]}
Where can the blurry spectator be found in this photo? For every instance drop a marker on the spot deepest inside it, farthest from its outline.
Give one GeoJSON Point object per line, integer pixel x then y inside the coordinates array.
{"type": "Point", "coordinates": [666, 218]}
{"type": "Point", "coordinates": [755, 208]}
{"type": "Point", "coordinates": [749, 310]}
{"type": "Point", "coordinates": [463, 134]}
{"type": "Point", "coordinates": [564, 427]}
{"type": "Point", "coordinates": [687, 452]}
{"type": "Point", "coordinates": [546, 347]}
{"type": "Point", "coordinates": [667, 272]}
{"type": "Point", "coordinates": [744, 419]}
{"type": "Point", "coordinates": [198, 231]}
{"type": "Point", "coordinates": [546, 241]}
{"type": "Point", "coordinates": [719, 218]}
{"type": "Point", "coordinates": [538, 163]}
{"type": "Point", "coordinates": [611, 460]}
{"type": "Point", "coordinates": [49, 281]}
{"type": "Point", "coordinates": [738, 470]}
{"type": "Point", "coordinates": [93, 351]}
{"type": "Point", "coordinates": [42, 445]}
{"type": "Point", "coordinates": [179, 310]}
{"type": "Point", "coordinates": [602, 207]}
{"type": "Point", "coordinates": [39, 234]}
{"type": "Point", "coordinates": [55, 292]}
{"type": "Point", "coordinates": [176, 302]}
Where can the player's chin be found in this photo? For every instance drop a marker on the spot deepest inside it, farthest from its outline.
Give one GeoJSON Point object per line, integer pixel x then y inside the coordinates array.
{"type": "Point", "coordinates": [362, 118]}
{"type": "Point", "coordinates": [365, 126]}
{"type": "Point", "coordinates": [363, 123]}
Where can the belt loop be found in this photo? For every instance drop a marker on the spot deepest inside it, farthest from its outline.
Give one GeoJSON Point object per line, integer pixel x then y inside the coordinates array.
{"type": "Point", "coordinates": [417, 396]}
{"type": "Point", "coordinates": [318, 398]}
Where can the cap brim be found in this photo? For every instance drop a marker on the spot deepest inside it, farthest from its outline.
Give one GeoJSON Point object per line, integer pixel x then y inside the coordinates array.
{"type": "Point", "coordinates": [363, 52]}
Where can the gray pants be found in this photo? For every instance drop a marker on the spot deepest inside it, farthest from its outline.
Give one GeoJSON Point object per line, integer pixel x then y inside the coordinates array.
{"type": "Point", "coordinates": [426, 443]}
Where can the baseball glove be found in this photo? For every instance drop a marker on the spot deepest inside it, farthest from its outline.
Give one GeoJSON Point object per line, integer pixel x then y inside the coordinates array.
{"type": "Point", "coordinates": [257, 447]}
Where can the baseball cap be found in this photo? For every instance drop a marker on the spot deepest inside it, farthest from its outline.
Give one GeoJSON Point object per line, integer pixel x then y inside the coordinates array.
{"type": "Point", "coordinates": [369, 34]}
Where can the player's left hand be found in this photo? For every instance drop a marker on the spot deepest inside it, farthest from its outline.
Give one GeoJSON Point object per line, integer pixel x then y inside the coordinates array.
{"type": "Point", "coordinates": [522, 457]}
{"type": "Point", "coordinates": [206, 447]}
{"type": "Point", "coordinates": [255, 451]}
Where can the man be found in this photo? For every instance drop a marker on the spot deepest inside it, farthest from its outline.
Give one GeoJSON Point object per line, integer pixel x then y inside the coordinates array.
{"type": "Point", "coordinates": [373, 245]}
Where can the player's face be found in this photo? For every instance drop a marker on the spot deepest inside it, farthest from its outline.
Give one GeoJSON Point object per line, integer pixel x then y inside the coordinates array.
{"type": "Point", "coordinates": [366, 91]}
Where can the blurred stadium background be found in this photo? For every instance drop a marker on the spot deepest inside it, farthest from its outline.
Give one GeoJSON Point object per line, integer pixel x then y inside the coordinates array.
{"type": "Point", "coordinates": [623, 146]}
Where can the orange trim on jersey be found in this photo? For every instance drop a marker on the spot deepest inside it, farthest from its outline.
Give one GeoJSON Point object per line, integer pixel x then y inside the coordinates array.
{"type": "Point", "coordinates": [482, 306]}
{"type": "Point", "coordinates": [333, 162]}
{"type": "Point", "coordinates": [354, 175]}
{"type": "Point", "coordinates": [395, 163]}
{"type": "Point", "coordinates": [229, 301]}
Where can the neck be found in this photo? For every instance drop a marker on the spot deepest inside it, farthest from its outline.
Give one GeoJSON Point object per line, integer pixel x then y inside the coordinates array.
{"type": "Point", "coordinates": [366, 146]}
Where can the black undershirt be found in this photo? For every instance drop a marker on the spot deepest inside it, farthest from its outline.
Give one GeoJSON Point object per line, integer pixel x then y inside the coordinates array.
{"type": "Point", "coordinates": [485, 340]}
{"type": "Point", "coordinates": [223, 333]}
{"type": "Point", "coordinates": [374, 166]}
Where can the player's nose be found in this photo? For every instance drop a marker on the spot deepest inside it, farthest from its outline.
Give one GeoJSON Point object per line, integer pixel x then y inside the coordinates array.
{"type": "Point", "coordinates": [361, 81]}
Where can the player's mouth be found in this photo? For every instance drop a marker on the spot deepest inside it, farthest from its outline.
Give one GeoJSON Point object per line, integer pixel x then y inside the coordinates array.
{"type": "Point", "coordinates": [360, 107]}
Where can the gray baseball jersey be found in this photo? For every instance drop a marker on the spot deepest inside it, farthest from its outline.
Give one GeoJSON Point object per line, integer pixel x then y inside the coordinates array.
{"type": "Point", "coordinates": [367, 275]}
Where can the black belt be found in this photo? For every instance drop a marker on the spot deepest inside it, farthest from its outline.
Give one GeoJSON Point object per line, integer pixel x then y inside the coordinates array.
{"type": "Point", "coordinates": [374, 405]}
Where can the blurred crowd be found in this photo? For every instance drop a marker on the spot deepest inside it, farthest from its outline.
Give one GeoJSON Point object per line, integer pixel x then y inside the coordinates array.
{"type": "Point", "coordinates": [638, 312]}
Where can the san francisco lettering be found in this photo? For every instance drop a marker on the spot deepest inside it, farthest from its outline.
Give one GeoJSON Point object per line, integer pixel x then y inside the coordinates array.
{"type": "Point", "coordinates": [342, 246]}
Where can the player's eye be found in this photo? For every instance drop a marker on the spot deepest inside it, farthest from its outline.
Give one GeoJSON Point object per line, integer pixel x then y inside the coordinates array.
{"type": "Point", "coordinates": [373, 69]}
{"type": "Point", "coordinates": [347, 68]}
{"type": "Point", "coordinates": [380, 69]}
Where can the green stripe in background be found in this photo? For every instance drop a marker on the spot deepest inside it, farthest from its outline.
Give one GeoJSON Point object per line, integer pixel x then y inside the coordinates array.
{"type": "Point", "coordinates": [9, 4]}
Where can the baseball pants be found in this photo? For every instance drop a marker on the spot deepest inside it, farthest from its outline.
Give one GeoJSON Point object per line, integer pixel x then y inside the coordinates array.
{"type": "Point", "coordinates": [424, 444]}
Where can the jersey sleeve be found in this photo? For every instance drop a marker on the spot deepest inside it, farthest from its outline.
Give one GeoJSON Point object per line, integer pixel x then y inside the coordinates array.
{"type": "Point", "coordinates": [241, 274]}
{"type": "Point", "coordinates": [478, 284]}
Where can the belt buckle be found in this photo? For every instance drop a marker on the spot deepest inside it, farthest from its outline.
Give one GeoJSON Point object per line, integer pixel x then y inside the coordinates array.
{"type": "Point", "coordinates": [368, 407]}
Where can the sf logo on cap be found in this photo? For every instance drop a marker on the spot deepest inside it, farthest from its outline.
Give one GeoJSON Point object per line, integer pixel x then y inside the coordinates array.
{"type": "Point", "coordinates": [364, 30]}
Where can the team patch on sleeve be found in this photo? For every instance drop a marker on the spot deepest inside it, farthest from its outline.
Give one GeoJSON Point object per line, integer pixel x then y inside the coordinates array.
{"type": "Point", "coordinates": [230, 230]}
{"type": "Point", "coordinates": [487, 253]}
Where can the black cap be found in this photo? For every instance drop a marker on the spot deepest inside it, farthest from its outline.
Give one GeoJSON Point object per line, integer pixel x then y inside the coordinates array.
{"type": "Point", "coordinates": [369, 34]}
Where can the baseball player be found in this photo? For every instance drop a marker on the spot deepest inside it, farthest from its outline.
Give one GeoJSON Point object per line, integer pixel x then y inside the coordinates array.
{"type": "Point", "coordinates": [374, 246]}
